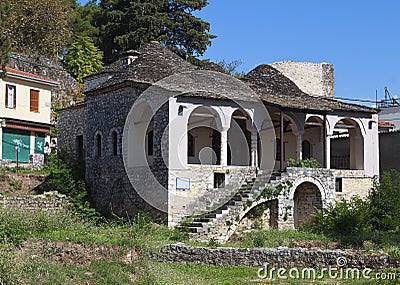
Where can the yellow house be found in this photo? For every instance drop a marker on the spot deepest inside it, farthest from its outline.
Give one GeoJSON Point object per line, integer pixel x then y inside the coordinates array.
{"type": "Point", "coordinates": [25, 102]}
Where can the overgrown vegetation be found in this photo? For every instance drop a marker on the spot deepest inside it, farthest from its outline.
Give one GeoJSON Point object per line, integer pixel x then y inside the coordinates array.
{"type": "Point", "coordinates": [304, 163]}
{"type": "Point", "coordinates": [376, 219]}
{"type": "Point", "coordinates": [68, 181]}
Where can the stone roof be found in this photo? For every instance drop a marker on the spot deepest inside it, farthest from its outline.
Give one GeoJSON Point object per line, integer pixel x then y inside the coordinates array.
{"type": "Point", "coordinates": [276, 89]}
{"type": "Point", "coordinates": [155, 62]}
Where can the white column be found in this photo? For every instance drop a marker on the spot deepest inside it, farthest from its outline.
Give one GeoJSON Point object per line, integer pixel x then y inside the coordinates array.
{"type": "Point", "coordinates": [224, 147]}
{"type": "Point", "coordinates": [254, 148]}
{"type": "Point", "coordinates": [327, 151]}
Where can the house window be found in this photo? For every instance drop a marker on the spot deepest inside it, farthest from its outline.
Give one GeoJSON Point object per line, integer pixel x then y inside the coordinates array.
{"type": "Point", "coordinates": [79, 146]}
{"type": "Point", "coordinates": [219, 180]}
{"type": "Point", "coordinates": [338, 184]}
{"type": "Point", "coordinates": [98, 145]}
{"type": "Point", "coordinates": [11, 96]}
{"type": "Point", "coordinates": [150, 143]}
{"type": "Point", "coordinates": [306, 150]}
{"type": "Point", "coordinates": [190, 145]}
{"type": "Point", "coordinates": [34, 101]}
{"type": "Point", "coordinates": [114, 143]}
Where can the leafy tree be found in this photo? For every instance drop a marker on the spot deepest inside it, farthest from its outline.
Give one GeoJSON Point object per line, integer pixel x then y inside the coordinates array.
{"type": "Point", "coordinates": [385, 202]}
{"type": "Point", "coordinates": [83, 58]}
{"type": "Point", "coordinates": [127, 24]}
{"type": "Point", "coordinates": [83, 22]}
{"type": "Point", "coordinates": [231, 67]}
{"type": "Point", "coordinates": [39, 27]}
{"type": "Point", "coordinates": [186, 34]}
{"type": "Point", "coordinates": [4, 39]}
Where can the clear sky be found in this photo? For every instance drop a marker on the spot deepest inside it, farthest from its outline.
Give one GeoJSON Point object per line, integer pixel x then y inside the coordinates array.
{"type": "Point", "coordinates": [360, 38]}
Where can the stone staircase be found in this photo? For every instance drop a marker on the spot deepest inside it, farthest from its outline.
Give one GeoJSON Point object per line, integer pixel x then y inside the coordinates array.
{"type": "Point", "coordinates": [218, 223]}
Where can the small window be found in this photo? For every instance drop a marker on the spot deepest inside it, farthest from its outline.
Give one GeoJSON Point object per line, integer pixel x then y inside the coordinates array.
{"type": "Point", "coordinates": [98, 145]}
{"type": "Point", "coordinates": [11, 96]}
{"type": "Point", "coordinates": [338, 184]}
{"type": "Point", "coordinates": [180, 110]}
{"type": "Point", "coordinates": [79, 146]}
{"type": "Point", "coordinates": [190, 145]}
{"type": "Point", "coordinates": [34, 101]}
{"type": "Point", "coordinates": [115, 143]}
{"type": "Point", "coordinates": [150, 143]}
{"type": "Point", "coordinates": [219, 180]}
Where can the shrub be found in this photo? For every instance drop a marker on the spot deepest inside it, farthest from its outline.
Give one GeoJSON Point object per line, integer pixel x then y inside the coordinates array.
{"type": "Point", "coordinates": [304, 163]}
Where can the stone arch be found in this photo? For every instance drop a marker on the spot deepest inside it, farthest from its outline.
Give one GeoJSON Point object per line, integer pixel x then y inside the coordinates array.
{"type": "Point", "coordinates": [79, 145]}
{"type": "Point", "coordinates": [206, 123]}
{"type": "Point", "coordinates": [307, 198]}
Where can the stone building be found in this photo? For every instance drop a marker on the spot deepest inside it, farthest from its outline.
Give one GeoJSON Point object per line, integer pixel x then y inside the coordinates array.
{"type": "Point", "coordinates": [160, 135]}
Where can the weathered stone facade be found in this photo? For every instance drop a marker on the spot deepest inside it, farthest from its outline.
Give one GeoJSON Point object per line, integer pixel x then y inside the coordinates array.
{"type": "Point", "coordinates": [311, 78]}
{"type": "Point", "coordinates": [117, 124]}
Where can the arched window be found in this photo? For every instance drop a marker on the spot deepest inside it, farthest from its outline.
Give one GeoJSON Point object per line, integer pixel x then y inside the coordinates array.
{"type": "Point", "coordinates": [114, 138]}
{"type": "Point", "coordinates": [191, 147]}
{"type": "Point", "coordinates": [98, 145]}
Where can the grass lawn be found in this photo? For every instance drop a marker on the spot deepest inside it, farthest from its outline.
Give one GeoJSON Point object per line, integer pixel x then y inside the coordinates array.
{"type": "Point", "coordinates": [39, 247]}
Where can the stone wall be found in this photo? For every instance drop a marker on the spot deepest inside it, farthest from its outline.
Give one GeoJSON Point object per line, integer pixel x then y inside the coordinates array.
{"type": "Point", "coordinates": [110, 188]}
{"type": "Point", "coordinates": [46, 201]}
{"type": "Point", "coordinates": [354, 183]}
{"type": "Point", "coordinates": [62, 95]}
{"type": "Point", "coordinates": [282, 257]}
{"type": "Point", "coordinates": [311, 78]}
{"type": "Point", "coordinates": [70, 124]}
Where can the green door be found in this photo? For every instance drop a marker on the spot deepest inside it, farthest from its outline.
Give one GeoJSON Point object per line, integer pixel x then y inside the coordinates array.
{"type": "Point", "coordinates": [39, 143]}
{"type": "Point", "coordinates": [13, 139]}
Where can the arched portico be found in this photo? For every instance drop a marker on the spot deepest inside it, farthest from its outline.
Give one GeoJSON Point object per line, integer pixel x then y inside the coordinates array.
{"type": "Point", "coordinates": [347, 145]}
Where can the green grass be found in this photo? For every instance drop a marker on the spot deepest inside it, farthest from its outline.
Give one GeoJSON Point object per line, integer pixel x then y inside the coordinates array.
{"type": "Point", "coordinates": [43, 265]}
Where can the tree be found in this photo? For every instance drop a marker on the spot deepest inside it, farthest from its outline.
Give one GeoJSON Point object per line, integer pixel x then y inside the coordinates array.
{"type": "Point", "coordinates": [83, 22]}
{"type": "Point", "coordinates": [127, 24]}
{"type": "Point", "coordinates": [186, 34]}
{"type": "Point", "coordinates": [83, 58]}
{"type": "Point", "coordinates": [231, 67]}
{"type": "Point", "coordinates": [4, 39]}
{"type": "Point", "coordinates": [39, 27]}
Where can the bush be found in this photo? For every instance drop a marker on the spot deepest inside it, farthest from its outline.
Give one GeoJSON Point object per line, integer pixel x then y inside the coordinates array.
{"type": "Point", "coordinates": [61, 178]}
{"type": "Point", "coordinates": [304, 163]}
{"type": "Point", "coordinates": [379, 213]}
{"type": "Point", "coordinates": [384, 201]}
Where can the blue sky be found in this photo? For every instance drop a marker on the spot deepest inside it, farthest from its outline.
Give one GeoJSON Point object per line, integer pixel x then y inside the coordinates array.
{"type": "Point", "coordinates": [360, 38]}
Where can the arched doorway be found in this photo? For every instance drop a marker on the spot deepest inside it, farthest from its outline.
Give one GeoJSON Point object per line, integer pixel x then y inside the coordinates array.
{"type": "Point", "coordinates": [204, 137]}
{"type": "Point", "coordinates": [239, 139]}
{"type": "Point", "coordinates": [307, 198]}
{"type": "Point", "coordinates": [313, 139]}
{"type": "Point", "coordinates": [347, 145]}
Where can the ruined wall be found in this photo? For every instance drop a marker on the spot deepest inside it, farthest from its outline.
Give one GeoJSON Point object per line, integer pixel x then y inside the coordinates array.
{"type": "Point", "coordinates": [281, 257]}
{"type": "Point", "coordinates": [311, 78]}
